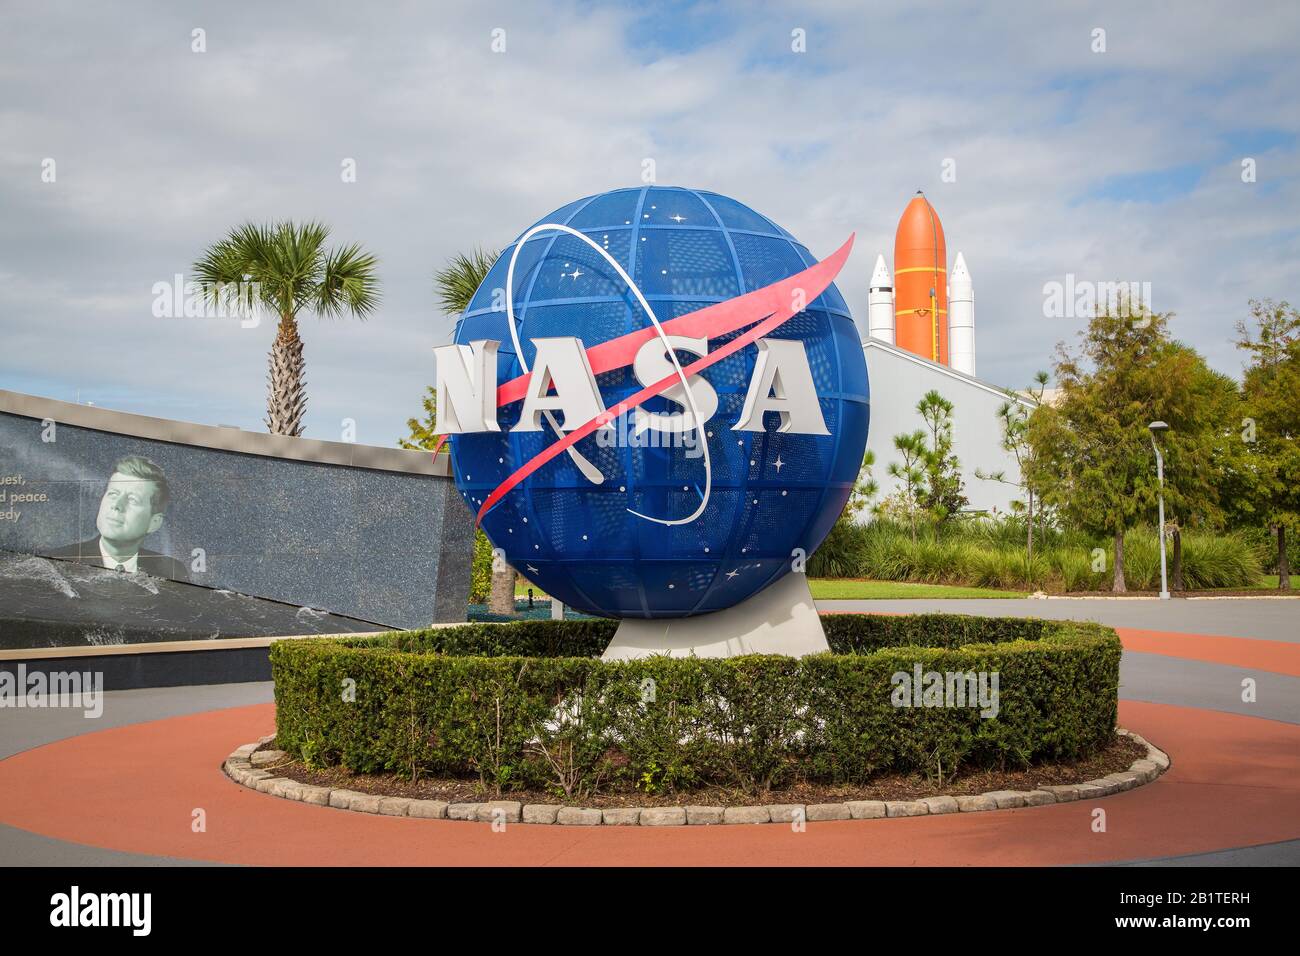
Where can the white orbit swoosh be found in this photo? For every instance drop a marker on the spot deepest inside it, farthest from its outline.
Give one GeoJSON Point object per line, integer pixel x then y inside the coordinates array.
{"type": "Point", "coordinates": [689, 396]}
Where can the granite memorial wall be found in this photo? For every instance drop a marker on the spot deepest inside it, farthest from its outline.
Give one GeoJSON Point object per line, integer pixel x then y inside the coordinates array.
{"type": "Point", "coordinates": [377, 534]}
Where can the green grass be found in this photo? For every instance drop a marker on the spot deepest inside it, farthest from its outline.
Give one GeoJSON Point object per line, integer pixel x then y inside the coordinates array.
{"type": "Point", "coordinates": [522, 584]}
{"type": "Point", "coordinates": [1266, 583]}
{"type": "Point", "coordinates": [850, 589]}
{"type": "Point", "coordinates": [847, 589]}
{"type": "Point", "coordinates": [856, 589]}
{"type": "Point", "coordinates": [990, 554]}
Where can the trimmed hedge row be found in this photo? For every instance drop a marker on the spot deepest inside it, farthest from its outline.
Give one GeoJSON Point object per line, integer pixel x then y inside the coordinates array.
{"type": "Point", "coordinates": [530, 705]}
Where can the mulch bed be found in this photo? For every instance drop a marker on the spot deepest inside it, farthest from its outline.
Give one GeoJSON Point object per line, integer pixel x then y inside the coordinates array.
{"type": "Point", "coordinates": [1115, 758]}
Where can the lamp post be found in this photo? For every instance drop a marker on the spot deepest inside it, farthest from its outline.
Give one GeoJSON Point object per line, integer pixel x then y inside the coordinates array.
{"type": "Point", "coordinates": [1155, 428]}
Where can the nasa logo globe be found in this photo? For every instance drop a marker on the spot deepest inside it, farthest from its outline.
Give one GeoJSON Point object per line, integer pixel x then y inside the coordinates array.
{"type": "Point", "coordinates": [656, 402]}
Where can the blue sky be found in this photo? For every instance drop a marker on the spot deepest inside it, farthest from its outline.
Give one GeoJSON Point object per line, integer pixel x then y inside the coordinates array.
{"type": "Point", "coordinates": [1123, 164]}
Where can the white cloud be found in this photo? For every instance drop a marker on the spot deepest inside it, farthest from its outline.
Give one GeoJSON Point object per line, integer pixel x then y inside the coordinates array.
{"type": "Point", "coordinates": [161, 150]}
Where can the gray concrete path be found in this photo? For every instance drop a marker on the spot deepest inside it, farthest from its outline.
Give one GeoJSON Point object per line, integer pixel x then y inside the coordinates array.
{"type": "Point", "coordinates": [1272, 619]}
{"type": "Point", "coordinates": [1146, 677]}
{"type": "Point", "coordinates": [24, 729]}
{"type": "Point", "coordinates": [1160, 679]}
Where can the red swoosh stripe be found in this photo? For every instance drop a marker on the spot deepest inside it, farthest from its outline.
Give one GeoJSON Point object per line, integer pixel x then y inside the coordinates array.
{"type": "Point", "coordinates": [711, 321]}
{"type": "Point", "coordinates": [773, 301]}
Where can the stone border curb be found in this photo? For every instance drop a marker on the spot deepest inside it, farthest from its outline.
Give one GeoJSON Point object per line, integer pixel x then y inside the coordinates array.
{"type": "Point", "coordinates": [252, 766]}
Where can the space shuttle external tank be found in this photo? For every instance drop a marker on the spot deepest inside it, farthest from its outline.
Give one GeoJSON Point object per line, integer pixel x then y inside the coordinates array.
{"type": "Point", "coordinates": [921, 282]}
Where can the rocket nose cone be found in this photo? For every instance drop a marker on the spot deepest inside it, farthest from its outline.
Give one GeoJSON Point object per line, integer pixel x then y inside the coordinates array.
{"type": "Point", "coordinates": [959, 270]}
{"type": "Point", "coordinates": [919, 227]}
{"type": "Point", "coordinates": [880, 275]}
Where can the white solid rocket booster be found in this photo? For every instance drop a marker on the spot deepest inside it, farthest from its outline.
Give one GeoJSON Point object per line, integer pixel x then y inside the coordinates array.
{"type": "Point", "coordinates": [961, 318]}
{"type": "Point", "coordinates": [880, 304]}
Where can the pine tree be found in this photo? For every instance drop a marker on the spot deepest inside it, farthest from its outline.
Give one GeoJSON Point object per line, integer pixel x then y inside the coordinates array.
{"type": "Point", "coordinates": [1013, 418]}
{"type": "Point", "coordinates": [942, 494]}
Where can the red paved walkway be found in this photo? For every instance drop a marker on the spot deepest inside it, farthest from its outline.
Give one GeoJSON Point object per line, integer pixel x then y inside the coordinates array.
{"type": "Point", "coordinates": [1235, 781]}
{"type": "Point", "coordinates": [1280, 657]}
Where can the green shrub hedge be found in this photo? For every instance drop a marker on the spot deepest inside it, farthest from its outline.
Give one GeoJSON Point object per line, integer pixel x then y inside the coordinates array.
{"type": "Point", "coordinates": [988, 553]}
{"type": "Point", "coordinates": [531, 705]}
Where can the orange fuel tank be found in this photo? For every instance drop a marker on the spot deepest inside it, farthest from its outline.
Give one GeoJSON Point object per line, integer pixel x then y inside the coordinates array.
{"type": "Point", "coordinates": [921, 282]}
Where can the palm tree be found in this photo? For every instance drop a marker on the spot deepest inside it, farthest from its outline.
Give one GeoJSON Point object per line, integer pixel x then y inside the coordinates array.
{"type": "Point", "coordinates": [285, 267]}
{"type": "Point", "coordinates": [457, 283]}
{"type": "Point", "coordinates": [455, 286]}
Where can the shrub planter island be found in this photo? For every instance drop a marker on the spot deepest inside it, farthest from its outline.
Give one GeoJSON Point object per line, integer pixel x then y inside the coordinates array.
{"type": "Point", "coordinates": [529, 708]}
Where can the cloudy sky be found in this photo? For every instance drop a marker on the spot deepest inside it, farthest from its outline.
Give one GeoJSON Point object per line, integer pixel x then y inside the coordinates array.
{"type": "Point", "coordinates": [1125, 164]}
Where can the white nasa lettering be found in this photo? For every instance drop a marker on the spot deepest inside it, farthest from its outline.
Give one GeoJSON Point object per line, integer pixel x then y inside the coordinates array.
{"type": "Point", "coordinates": [467, 388]}
{"type": "Point", "coordinates": [782, 383]}
{"type": "Point", "coordinates": [561, 362]}
{"type": "Point", "coordinates": [652, 364]}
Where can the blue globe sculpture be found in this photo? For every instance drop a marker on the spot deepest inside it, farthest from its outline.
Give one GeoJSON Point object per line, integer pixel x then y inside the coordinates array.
{"type": "Point", "coordinates": [774, 495]}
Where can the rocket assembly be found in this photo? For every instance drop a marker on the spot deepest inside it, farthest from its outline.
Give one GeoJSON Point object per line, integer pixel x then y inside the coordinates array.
{"type": "Point", "coordinates": [924, 310]}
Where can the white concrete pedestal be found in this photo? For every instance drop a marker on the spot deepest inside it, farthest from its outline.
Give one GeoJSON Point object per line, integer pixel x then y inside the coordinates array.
{"type": "Point", "coordinates": [780, 619]}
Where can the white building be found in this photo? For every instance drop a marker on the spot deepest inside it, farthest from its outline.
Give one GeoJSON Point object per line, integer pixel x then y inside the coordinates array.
{"type": "Point", "coordinates": [898, 380]}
